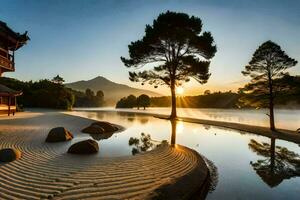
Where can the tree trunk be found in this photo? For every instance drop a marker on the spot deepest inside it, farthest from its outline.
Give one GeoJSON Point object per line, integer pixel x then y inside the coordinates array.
{"type": "Point", "coordinates": [144, 108]}
{"type": "Point", "coordinates": [173, 94]}
{"type": "Point", "coordinates": [272, 123]}
{"type": "Point", "coordinates": [271, 104]}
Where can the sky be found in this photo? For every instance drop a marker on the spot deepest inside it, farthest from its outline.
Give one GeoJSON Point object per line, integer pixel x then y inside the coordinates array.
{"type": "Point", "coordinates": [82, 39]}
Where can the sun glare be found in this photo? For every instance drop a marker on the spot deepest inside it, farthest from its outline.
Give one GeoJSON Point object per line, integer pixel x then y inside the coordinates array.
{"type": "Point", "coordinates": [179, 127]}
{"type": "Point", "coordinates": [179, 90]}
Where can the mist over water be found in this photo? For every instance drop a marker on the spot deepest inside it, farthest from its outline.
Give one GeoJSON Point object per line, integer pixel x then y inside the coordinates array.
{"type": "Point", "coordinates": [285, 118]}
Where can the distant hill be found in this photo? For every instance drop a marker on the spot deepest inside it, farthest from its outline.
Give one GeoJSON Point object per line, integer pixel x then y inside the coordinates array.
{"type": "Point", "coordinates": [112, 91]}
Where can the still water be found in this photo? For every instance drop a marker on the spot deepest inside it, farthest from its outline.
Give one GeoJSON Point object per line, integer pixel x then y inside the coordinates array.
{"type": "Point", "coordinates": [285, 118]}
{"type": "Point", "coordinates": [248, 166]}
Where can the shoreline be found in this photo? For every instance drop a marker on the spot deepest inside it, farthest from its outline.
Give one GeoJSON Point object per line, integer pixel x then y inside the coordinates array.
{"type": "Point", "coordinates": [284, 134]}
{"type": "Point", "coordinates": [47, 171]}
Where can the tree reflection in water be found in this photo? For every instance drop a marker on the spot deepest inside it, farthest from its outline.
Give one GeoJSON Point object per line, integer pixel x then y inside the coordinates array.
{"type": "Point", "coordinates": [144, 143]}
{"type": "Point", "coordinates": [280, 163]}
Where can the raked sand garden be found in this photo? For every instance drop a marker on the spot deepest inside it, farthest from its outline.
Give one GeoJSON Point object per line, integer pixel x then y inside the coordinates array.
{"type": "Point", "coordinates": [47, 171]}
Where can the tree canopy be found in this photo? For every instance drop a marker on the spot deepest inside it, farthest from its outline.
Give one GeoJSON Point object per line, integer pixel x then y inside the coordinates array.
{"type": "Point", "coordinates": [175, 49]}
{"type": "Point", "coordinates": [88, 98]}
{"type": "Point", "coordinates": [267, 69]}
{"type": "Point", "coordinates": [269, 63]}
{"type": "Point", "coordinates": [127, 102]}
{"type": "Point", "coordinates": [58, 80]}
{"type": "Point", "coordinates": [47, 94]}
{"type": "Point", "coordinates": [143, 101]}
{"type": "Point", "coordinates": [42, 93]}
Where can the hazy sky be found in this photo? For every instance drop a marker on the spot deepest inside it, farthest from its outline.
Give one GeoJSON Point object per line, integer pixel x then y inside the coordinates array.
{"type": "Point", "coordinates": [81, 39]}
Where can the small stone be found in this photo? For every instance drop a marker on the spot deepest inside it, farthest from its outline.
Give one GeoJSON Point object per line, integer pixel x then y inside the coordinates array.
{"type": "Point", "coordinates": [9, 155]}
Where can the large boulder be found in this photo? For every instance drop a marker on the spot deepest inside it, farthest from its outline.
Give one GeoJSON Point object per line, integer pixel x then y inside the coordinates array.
{"type": "Point", "coordinates": [108, 127]}
{"type": "Point", "coordinates": [59, 134]}
{"type": "Point", "coordinates": [93, 129]}
{"type": "Point", "coordinates": [8, 155]}
{"type": "Point", "coordinates": [84, 147]}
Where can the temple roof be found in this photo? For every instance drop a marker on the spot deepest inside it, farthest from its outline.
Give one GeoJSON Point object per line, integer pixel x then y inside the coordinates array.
{"type": "Point", "coordinates": [6, 91]}
{"type": "Point", "coordinates": [15, 40]}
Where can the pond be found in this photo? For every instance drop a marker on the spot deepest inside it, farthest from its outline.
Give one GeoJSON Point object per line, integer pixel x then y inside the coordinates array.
{"type": "Point", "coordinates": [248, 166]}
{"type": "Point", "coordinates": [285, 118]}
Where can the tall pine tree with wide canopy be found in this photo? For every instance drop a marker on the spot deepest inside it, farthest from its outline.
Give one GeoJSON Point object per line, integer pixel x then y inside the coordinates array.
{"type": "Point", "coordinates": [268, 64]}
{"type": "Point", "coordinates": [173, 50]}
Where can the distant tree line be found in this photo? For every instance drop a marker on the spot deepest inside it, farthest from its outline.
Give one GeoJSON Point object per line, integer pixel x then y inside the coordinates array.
{"type": "Point", "coordinates": [88, 98]}
{"type": "Point", "coordinates": [42, 93]}
{"type": "Point", "coordinates": [208, 100]}
{"type": "Point", "coordinates": [52, 94]}
{"type": "Point", "coordinates": [132, 101]}
{"type": "Point", "coordinates": [287, 95]}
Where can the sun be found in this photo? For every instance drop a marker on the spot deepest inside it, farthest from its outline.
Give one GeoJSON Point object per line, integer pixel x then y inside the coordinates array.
{"type": "Point", "coordinates": [179, 90]}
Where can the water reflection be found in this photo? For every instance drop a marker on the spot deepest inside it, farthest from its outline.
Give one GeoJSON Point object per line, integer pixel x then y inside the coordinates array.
{"type": "Point", "coordinates": [279, 164]}
{"type": "Point", "coordinates": [207, 127]}
{"type": "Point", "coordinates": [132, 117]}
{"type": "Point", "coordinates": [227, 148]}
{"type": "Point", "coordinates": [102, 136]}
{"type": "Point", "coordinates": [144, 143]}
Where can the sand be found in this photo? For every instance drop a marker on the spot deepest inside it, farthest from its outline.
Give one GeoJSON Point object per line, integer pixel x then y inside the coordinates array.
{"type": "Point", "coordinates": [47, 171]}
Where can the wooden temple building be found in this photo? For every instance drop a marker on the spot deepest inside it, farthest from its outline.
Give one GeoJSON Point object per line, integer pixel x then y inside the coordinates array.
{"type": "Point", "coordinates": [8, 100]}
{"type": "Point", "coordinates": [10, 41]}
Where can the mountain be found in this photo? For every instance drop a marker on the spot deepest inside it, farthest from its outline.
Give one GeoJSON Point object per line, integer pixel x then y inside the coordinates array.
{"type": "Point", "coordinates": [112, 91]}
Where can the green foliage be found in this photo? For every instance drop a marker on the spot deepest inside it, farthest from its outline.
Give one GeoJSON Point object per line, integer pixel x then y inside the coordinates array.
{"type": "Point", "coordinates": [127, 102]}
{"type": "Point", "coordinates": [88, 99]}
{"type": "Point", "coordinates": [143, 101]}
{"type": "Point", "coordinates": [43, 93]}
